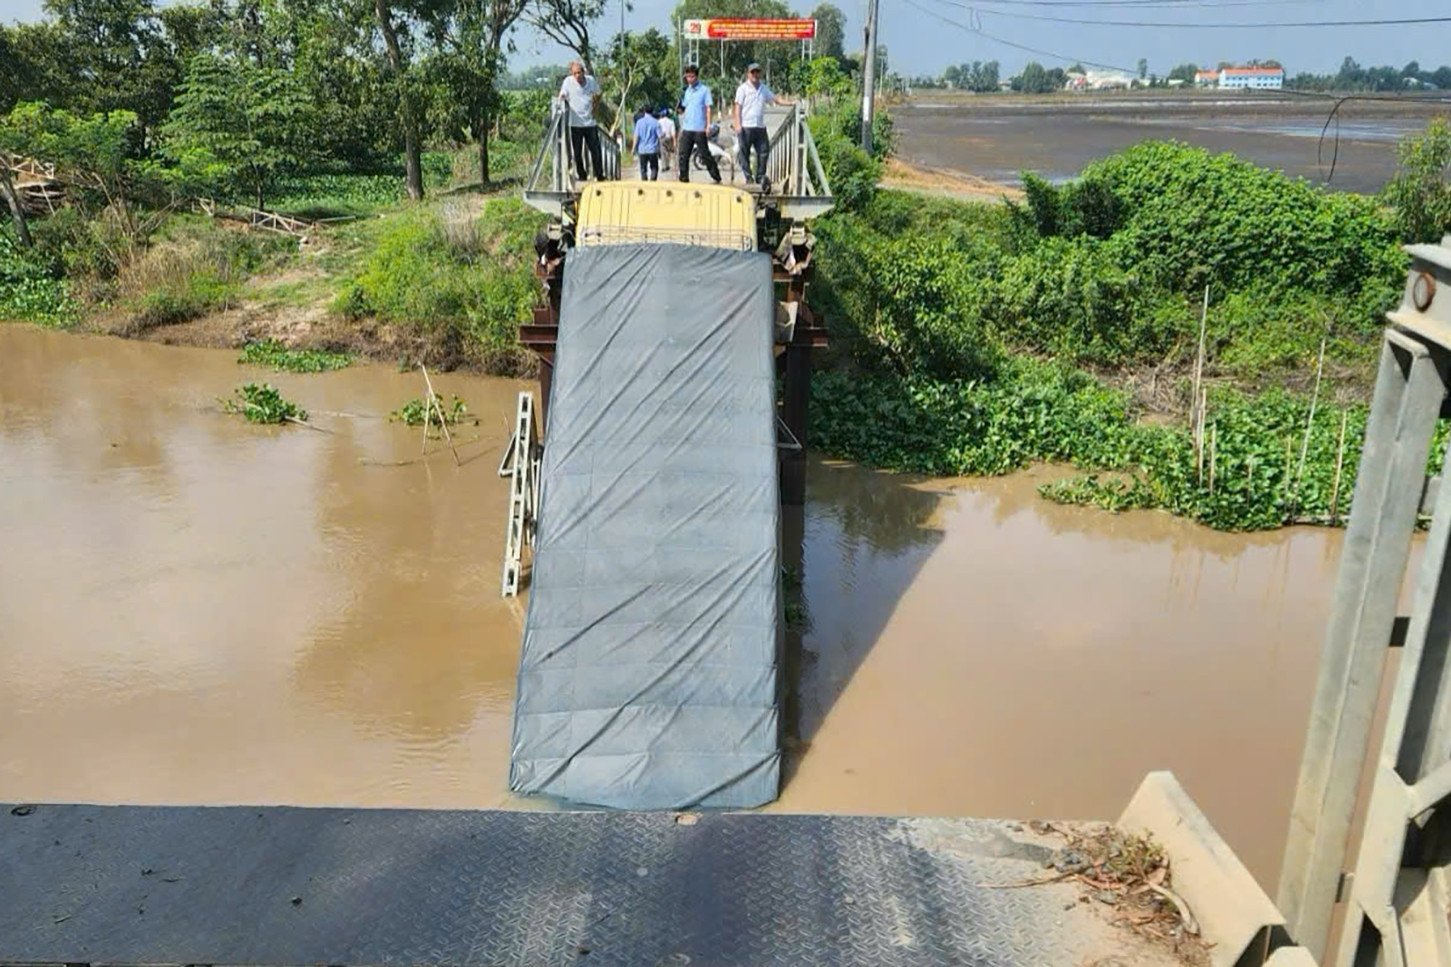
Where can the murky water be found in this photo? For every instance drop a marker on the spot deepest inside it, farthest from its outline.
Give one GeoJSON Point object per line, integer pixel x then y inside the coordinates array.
{"type": "Point", "coordinates": [998, 138]}
{"type": "Point", "coordinates": [195, 610]}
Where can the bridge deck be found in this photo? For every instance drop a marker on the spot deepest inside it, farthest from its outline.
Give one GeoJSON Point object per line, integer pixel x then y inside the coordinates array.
{"type": "Point", "coordinates": [265, 886]}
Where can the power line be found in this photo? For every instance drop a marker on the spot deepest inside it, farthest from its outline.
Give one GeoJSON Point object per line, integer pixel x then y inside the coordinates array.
{"type": "Point", "coordinates": [1231, 25]}
{"type": "Point", "coordinates": [978, 31]}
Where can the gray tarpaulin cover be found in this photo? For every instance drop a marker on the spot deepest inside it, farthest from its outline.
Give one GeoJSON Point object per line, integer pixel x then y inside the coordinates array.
{"type": "Point", "coordinates": [648, 673]}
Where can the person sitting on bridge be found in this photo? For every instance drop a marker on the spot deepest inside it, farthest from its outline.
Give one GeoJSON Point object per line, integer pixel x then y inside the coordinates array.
{"type": "Point", "coordinates": [695, 105]}
{"type": "Point", "coordinates": [667, 138]}
{"type": "Point", "coordinates": [581, 93]}
{"type": "Point", "coordinates": [750, 124]}
{"type": "Point", "coordinates": [647, 145]}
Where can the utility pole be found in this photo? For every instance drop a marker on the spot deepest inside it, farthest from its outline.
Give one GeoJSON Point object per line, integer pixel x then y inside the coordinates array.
{"type": "Point", "coordinates": [869, 76]}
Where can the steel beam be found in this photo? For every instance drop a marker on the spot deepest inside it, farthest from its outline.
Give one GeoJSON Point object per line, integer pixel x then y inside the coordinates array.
{"type": "Point", "coordinates": [1407, 400]}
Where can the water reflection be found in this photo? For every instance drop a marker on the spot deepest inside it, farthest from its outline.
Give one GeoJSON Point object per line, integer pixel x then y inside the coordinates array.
{"type": "Point", "coordinates": [208, 611]}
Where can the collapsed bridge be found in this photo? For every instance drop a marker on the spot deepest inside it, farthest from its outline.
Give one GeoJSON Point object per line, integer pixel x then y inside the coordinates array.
{"type": "Point", "coordinates": [648, 676]}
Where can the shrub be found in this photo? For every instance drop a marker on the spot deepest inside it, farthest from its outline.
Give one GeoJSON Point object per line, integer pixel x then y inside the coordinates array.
{"type": "Point", "coordinates": [1419, 192]}
{"type": "Point", "coordinates": [1189, 218]}
{"type": "Point", "coordinates": [324, 195]}
{"type": "Point", "coordinates": [270, 352]}
{"type": "Point", "coordinates": [193, 267]}
{"type": "Point", "coordinates": [1067, 297]}
{"type": "Point", "coordinates": [1036, 411]}
{"type": "Point", "coordinates": [466, 276]}
{"type": "Point", "coordinates": [30, 290]}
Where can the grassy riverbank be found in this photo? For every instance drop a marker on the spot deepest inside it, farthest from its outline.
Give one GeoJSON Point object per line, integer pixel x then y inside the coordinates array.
{"type": "Point", "coordinates": [445, 280]}
{"type": "Point", "coordinates": [976, 338]}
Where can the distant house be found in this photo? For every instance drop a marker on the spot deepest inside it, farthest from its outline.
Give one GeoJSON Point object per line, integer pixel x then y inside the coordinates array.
{"type": "Point", "coordinates": [1255, 78]}
{"type": "Point", "coordinates": [1206, 79]}
{"type": "Point", "coordinates": [1098, 81]}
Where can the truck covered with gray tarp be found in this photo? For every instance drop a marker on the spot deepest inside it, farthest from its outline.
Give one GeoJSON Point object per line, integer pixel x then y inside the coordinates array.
{"type": "Point", "coordinates": [648, 677]}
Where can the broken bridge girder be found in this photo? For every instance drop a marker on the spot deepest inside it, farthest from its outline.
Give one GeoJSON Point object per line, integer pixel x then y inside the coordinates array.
{"type": "Point", "coordinates": [1401, 871]}
{"type": "Point", "coordinates": [520, 463]}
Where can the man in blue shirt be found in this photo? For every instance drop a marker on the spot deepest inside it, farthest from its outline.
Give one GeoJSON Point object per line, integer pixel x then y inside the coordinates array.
{"type": "Point", "coordinates": [647, 145]}
{"type": "Point", "coordinates": [695, 105]}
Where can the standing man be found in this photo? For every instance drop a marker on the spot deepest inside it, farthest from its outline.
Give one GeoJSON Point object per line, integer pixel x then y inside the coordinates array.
{"type": "Point", "coordinates": [647, 145]}
{"type": "Point", "coordinates": [750, 124]}
{"type": "Point", "coordinates": [667, 138]}
{"type": "Point", "coordinates": [695, 105]}
{"type": "Point", "coordinates": [581, 93]}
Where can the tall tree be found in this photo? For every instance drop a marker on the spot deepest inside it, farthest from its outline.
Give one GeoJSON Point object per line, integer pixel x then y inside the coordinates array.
{"type": "Point", "coordinates": [640, 68]}
{"type": "Point", "coordinates": [238, 126]}
{"type": "Point", "coordinates": [1143, 68]}
{"type": "Point", "coordinates": [830, 30]}
{"type": "Point", "coordinates": [117, 57]}
{"type": "Point", "coordinates": [410, 99]}
{"type": "Point", "coordinates": [1034, 79]}
{"type": "Point", "coordinates": [1184, 72]}
{"type": "Point", "coordinates": [568, 23]}
{"type": "Point", "coordinates": [471, 35]}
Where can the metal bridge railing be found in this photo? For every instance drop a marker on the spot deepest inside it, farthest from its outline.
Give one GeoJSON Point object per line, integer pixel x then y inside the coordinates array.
{"type": "Point", "coordinates": [552, 181]}
{"type": "Point", "coordinates": [798, 181]}
{"type": "Point", "coordinates": [795, 169]}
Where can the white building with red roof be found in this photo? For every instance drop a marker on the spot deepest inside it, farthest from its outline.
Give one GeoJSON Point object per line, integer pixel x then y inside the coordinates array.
{"type": "Point", "coordinates": [1252, 78]}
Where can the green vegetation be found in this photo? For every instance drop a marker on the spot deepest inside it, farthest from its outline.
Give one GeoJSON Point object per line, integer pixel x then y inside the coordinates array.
{"type": "Point", "coordinates": [1419, 193]}
{"type": "Point", "coordinates": [966, 333]}
{"type": "Point", "coordinates": [1033, 411]}
{"type": "Point", "coordinates": [262, 403]}
{"type": "Point", "coordinates": [460, 279]}
{"type": "Point", "coordinates": [270, 352]}
{"type": "Point", "coordinates": [29, 290]}
{"type": "Point", "coordinates": [414, 412]}
{"type": "Point", "coordinates": [192, 266]}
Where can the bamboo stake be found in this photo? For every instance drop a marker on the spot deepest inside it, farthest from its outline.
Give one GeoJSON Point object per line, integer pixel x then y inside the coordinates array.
{"type": "Point", "coordinates": [427, 418]}
{"type": "Point", "coordinates": [1196, 418]}
{"type": "Point", "coordinates": [442, 420]}
{"type": "Point", "coordinates": [1213, 454]}
{"type": "Point", "coordinates": [1339, 466]}
{"type": "Point", "coordinates": [1310, 420]}
{"type": "Point", "coordinates": [1289, 456]}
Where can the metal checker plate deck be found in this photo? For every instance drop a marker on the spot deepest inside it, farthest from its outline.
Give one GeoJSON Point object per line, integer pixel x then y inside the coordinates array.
{"type": "Point", "coordinates": [280, 885]}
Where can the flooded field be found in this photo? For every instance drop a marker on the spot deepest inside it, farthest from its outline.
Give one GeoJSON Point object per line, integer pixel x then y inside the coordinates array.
{"type": "Point", "coordinates": [196, 610]}
{"type": "Point", "coordinates": [997, 138]}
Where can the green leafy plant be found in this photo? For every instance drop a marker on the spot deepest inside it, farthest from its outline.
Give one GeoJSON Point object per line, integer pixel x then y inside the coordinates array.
{"type": "Point", "coordinates": [1420, 192]}
{"type": "Point", "coordinates": [414, 412]}
{"type": "Point", "coordinates": [270, 352]}
{"type": "Point", "coordinates": [262, 403]}
{"type": "Point", "coordinates": [30, 291]}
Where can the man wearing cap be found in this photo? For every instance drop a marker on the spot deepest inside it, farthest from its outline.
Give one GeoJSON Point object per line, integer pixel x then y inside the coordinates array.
{"type": "Point", "coordinates": [750, 123]}
{"type": "Point", "coordinates": [695, 105]}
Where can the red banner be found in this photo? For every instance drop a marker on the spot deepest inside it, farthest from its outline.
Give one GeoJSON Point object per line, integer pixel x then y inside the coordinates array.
{"type": "Point", "coordinates": [741, 29]}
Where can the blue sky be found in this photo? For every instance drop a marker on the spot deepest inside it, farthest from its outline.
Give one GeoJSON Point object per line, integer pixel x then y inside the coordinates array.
{"type": "Point", "coordinates": [919, 43]}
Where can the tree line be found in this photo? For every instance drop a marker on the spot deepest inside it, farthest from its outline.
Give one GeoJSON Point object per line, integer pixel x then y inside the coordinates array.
{"type": "Point", "coordinates": [229, 96]}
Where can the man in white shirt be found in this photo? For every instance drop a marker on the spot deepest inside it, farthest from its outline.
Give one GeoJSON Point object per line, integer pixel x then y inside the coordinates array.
{"type": "Point", "coordinates": [581, 93]}
{"type": "Point", "coordinates": [750, 123]}
{"type": "Point", "coordinates": [667, 139]}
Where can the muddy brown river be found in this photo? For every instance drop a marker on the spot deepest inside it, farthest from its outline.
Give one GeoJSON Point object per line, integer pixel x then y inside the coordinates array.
{"type": "Point", "coordinates": [197, 610]}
